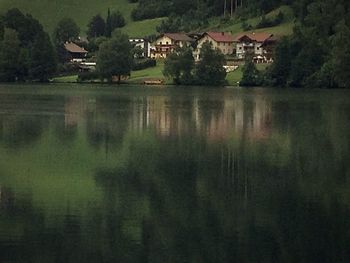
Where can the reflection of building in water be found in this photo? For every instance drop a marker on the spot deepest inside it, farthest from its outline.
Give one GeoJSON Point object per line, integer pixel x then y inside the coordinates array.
{"type": "Point", "coordinates": [218, 118]}
{"type": "Point", "coordinates": [74, 109]}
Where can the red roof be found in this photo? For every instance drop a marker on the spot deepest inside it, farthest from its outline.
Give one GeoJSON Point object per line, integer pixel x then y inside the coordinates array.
{"type": "Point", "coordinates": [258, 37]}
{"type": "Point", "coordinates": [178, 36]}
{"type": "Point", "coordinates": [74, 48]}
{"type": "Point", "coordinates": [220, 36]}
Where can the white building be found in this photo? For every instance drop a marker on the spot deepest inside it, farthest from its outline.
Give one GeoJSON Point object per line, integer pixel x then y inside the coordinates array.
{"type": "Point", "coordinates": [143, 44]}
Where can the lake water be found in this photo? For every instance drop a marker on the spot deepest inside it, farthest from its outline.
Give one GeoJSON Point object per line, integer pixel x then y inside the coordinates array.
{"type": "Point", "coordinates": [134, 174]}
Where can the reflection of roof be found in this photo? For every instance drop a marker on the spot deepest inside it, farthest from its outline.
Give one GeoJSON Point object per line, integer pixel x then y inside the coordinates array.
{"type": "Point", "coordinates": [258, 37]}
{"type": "Point", "coordinates": [74, 48]}
{"type": "Point", "coordinates": [220, 36]}
{"type": "Point", "coordinates": [178, 36]}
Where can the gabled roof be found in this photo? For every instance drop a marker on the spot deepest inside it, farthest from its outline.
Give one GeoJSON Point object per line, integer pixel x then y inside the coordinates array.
{"type": "Point", "coordinates": [220, 36]}
{"type": "Point", "coordinates": [258, 37]}
{"type": "Point", "coordinates": [74, 48]}
{"type": "Point", "coordinates": [178, 37]}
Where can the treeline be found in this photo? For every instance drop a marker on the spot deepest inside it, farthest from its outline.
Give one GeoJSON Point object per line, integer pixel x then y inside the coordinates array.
{"type": "Point", "coordinates": [26, 52]}
{"type": "Point", "coordinates": [318, 53]}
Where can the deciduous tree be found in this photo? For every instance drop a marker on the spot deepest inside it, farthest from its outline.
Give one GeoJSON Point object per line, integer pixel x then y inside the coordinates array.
{"type": "Point", "coordinates": [115, 57]}
{"type": "Point", "coordinates": [96, 27]}
{"type": "Point", "coordinates": [210, 70]}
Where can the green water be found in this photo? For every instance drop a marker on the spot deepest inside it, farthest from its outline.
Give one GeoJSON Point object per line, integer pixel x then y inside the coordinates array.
{"type": "Point", "coordinates": [133, 174]}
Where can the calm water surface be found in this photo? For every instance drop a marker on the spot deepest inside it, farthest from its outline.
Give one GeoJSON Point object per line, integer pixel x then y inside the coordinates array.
{"type": "Point", "coordinates": [133, 174]}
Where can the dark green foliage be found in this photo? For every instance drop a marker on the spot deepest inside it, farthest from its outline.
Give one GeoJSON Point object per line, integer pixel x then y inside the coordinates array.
{"type": "Point", "coordinates": [2, 29]}
{"type": "Point", "coordinates": [26, 52]}
{"type": "Point", "coordinates": [245, 26]}
{"type": "Point", "coordinates": [114, 20]}
{"type": "Point", "coordinates": [280, 69]}
{"type": "Point", "coordinates": [96, 27]}
{"type": "Point", "coordinates": [179, 66]}
{"type": "Point", "coordinates": [341, 55]}
{"type": "Point", "coordinates": [86, 76]}
{"type": "Point", "coordinates": [318, 54]}
{"type": "Point", "coordinates": [266, 22]}
{"type": "Point", "coordinates": [170, 25]}
{"type": "Point", "coordinates": [210, 70]}
{"type": "Point", "coordinates": [42, 59]}
{"type": "Point", "coordinates": [9, 56]}
{"type": "Point", "coordinates": [139, 64]}
{"type": "Point", "coordinates": [26, 26]}
{"type": "Point", "coordinates": [65, 31]}
{"type": "Point", "coordinates": [251, 75]}
{"type": "Point", "coordinates": [115, 57]}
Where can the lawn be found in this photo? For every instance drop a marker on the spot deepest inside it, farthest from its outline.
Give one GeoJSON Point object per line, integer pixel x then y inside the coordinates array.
{"type": "Point", "coordinates": [149, 73]}
{"type": "Point", "coordinates": [66, 79]}
{"type": "Point", "coordinates": [49, 12]}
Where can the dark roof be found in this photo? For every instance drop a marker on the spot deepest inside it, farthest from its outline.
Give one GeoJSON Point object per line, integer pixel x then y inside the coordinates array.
{"type": "Point", "coordinates": [178, 36]}
{"type": "Point", "coordinates": [74, 48]}
{"type": "Point", "coordinates": [258, 37]}
{"type": "Point", "coordinates": [220, 36]}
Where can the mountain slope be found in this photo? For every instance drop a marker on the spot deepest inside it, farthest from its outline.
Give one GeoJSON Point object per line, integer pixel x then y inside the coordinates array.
{"type": "Point", "coordinates": [49, 12]}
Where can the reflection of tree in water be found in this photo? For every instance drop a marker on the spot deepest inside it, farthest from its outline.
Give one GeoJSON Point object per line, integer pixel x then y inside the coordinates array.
{"type": "Point", "coordinates": [21, 131]}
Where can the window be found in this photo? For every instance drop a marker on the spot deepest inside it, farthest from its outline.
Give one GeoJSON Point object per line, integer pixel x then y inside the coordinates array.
{"type": "Point", "coordinates": [167, 43]}
{"type": "Point", "coordinates": [161, 43]}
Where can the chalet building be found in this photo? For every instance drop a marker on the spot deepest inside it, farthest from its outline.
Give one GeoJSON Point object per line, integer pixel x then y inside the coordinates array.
{"type": "Point", "coordinates": [260, 45]}
{"type": "Point", "coordinates": [75, 52]}
{"type": "Point", "coordinates": [166, 43]}
{"type": "Point", "coordinates": [143, 44]}
{"type": "Point", "coordinates": [219, 40]}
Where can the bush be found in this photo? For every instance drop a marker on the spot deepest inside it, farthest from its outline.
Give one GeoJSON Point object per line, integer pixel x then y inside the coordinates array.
{"type": "Point", "coordinates": [266, 22]}
{"type": "Point", "coordinates": [85, 76]}
{"type": "Point", "coordinates": [145, 63]}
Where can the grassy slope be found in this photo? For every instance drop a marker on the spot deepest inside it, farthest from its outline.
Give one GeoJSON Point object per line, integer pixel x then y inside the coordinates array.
{"type": "Point", "coordinates": [49, 12]}
{"type": "Point", "coordinates": [234, 26]}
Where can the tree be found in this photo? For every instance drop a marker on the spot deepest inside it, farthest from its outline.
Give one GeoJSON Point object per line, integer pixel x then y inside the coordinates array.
{"type": "Point", "coordinates": [210, 70]}
{"type": "Point", "coordinates": [25, 25]}
{"type": "Point", "coordinates": [114, 20]}
{"type": "Point", "coordinates": [251, 75]}
{"type": "Point", "coordinates": [280, 69]}
{"type": "Point", "coordinates": [115, 57]}
{"type": "Point", "coordinates": [42, 63]}
{"type": "Point", "coordinates": [341, 55]}
{"type": "Point", "coordinates": [179, 66]}
{"type": "Point", "coordinates": [96, 27]}
{"type": "Point", "coordinates": [9, 56]}
{"type": "Point", "coordinates": [65, 31]}
{"type": "Point", "coordinates": [2, 29]}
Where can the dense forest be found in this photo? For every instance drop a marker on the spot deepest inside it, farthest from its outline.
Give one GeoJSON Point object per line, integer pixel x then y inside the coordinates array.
{"type": "Point", "coordinates": [318, 53]}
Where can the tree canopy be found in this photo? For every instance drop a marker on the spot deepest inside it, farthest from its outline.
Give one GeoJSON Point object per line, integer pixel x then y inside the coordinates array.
{"type": "Point", "coordinates": [210, 70]}
{"type": "Point", "coordinates": [179, 66]}
{"type": "Point", "coordinates": [65, 31]}
{"type": "Point", "coordinates": [96, 27]}
{"type": "Point", "coordinates": [26, 51]}
{"type": "Point", "coordinates": [115, 57]}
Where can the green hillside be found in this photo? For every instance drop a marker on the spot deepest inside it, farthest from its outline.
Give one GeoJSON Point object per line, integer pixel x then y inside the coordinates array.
{"type": "Point", "coordinates": [235, 26]}
{"type": "Point", "coordinates": [49, 12]}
